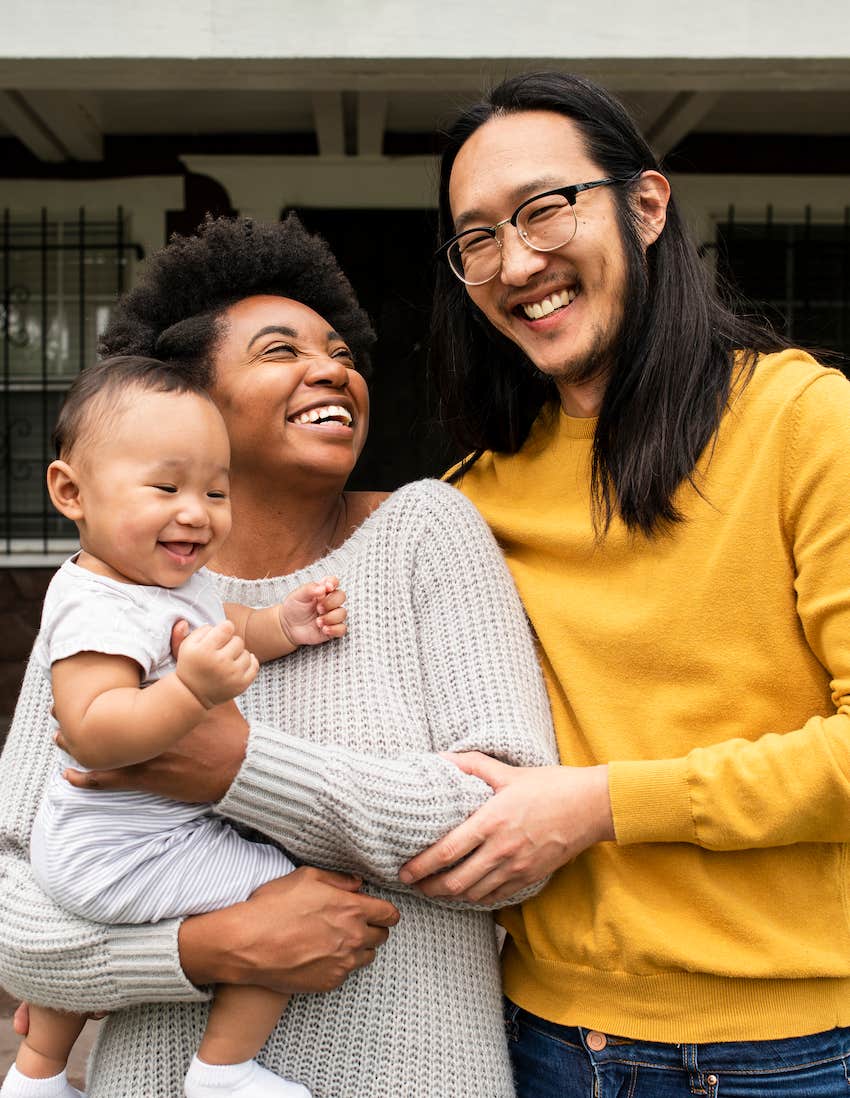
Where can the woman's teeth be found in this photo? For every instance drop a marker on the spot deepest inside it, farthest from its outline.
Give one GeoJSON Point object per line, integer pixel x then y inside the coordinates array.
{"type": "Point", "coordinates": [330, 412]}
{"type": "Point", "coordinates": [549, 304]}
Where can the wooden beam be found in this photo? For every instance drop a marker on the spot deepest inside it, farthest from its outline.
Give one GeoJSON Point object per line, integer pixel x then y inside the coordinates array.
{"type": "Point", "coordinates": [330, 122]}
{"type": "Point", "coordinates": [19, 117]}
{"type": "Point", "coordinates": [371, 121]}
{"type": "Point", "coordinates": [685, 110]}
{"type": "Point", "coordinates": [73, 118]}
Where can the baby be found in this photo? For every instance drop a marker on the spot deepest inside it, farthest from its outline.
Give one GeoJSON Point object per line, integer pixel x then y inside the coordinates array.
{"type": "Point", "coordinates": [142, 470]}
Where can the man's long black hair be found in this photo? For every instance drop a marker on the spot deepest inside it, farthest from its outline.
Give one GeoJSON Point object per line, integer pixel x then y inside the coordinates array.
{"type": "Point", "coordinates": [673, 364]}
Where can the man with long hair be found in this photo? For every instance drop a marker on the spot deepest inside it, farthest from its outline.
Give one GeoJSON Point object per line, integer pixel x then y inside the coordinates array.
{"type": "Point", "coordinates": [669, 482]}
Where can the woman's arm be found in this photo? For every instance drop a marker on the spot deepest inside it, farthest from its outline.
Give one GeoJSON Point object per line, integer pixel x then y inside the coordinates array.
{"type": "Point", "coordinates": [483, 690]}
{"type": "Point", "coordinates": [368, 813]}
{"type": "Point", "coordinates": [46, 955]}
{"type": "Point", "coordinates": [107, 720]}
{"type": "Point", "coordinates": [305, 932]}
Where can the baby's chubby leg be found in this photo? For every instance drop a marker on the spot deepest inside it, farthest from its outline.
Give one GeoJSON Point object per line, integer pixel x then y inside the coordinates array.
{"type": "Point", "coordinates": [39, 1069]}
{"type": "Point", "coordinates": [241, 1018]}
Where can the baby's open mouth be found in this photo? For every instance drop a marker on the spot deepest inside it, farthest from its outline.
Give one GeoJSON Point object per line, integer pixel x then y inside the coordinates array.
{"type": "Point", "coordinates": [181, 548]}
{"type": "Point", "coordinates": [536, 310]}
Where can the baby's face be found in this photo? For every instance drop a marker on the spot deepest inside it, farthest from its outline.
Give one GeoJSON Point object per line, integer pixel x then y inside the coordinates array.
{"type": "Point", "coordinates": [154, 489]}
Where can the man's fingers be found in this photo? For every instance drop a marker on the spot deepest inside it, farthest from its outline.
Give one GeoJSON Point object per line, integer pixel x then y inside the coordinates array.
{"type": "Point", "coordinates": [480, 766]}
{"type": "Point", "coordinates": [444, 853]}
{"type": "Point", "coordinates": [463, 879]}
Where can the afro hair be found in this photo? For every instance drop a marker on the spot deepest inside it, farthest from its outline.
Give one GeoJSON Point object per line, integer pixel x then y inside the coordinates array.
{"type": "Point", "coordinates": [172, 313]}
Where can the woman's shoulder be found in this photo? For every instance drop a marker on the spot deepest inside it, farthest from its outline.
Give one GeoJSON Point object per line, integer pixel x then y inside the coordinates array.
{"type": "Point", "coordinates": [428, 516]}
{"type": "Point", "coordinates": [431, 502]}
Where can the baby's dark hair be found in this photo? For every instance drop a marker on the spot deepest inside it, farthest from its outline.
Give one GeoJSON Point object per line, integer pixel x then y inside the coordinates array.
{"type": "Point", "coordinates": [100, 393]}
{"type": "Point", "coordinates": [174, 311]}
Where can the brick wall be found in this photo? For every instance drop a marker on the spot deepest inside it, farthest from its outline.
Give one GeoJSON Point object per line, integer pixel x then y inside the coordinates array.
{"type": "Point", "coordinates": [21, 595]}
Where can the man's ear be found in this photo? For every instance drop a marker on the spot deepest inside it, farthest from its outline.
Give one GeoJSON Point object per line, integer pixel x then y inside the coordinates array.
{"type": "Point", "coordinates": [64, 488]}
{"type": "Point", "coordinates": [651, 197]}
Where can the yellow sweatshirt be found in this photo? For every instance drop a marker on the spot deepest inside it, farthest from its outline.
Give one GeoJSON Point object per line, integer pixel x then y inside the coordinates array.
{"type": "Point", "coordinates": [710, 668]}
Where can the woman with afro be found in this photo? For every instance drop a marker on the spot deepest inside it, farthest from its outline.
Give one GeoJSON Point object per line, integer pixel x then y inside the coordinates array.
{"type": "Point", "coordinates": [333, 752]}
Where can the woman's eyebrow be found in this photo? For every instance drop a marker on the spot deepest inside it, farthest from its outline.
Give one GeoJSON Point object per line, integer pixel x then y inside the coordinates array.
{"type": "Point", "coordinates": [272, 329]}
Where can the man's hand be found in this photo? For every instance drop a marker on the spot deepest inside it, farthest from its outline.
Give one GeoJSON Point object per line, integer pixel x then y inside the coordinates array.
{"type": "Point", "coordinates": [539, 819]}
{"type": "Point", "coordinates": [199, 769]}
{"type": "Point", "coordinates": [301, 933]}
{"type": "Point", "coordinates": [215, 664]}
{"type": "Point", "coordinates": [314, 612]}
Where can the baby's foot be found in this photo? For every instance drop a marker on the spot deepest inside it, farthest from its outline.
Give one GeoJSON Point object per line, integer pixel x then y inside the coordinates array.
{"type": "Point", "coordinates": [247, 1080]}
{"type": "Point", "coordinates": [17, 1085]}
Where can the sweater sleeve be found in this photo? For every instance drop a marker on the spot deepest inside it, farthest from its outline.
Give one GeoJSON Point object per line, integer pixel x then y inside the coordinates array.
{"type": "Point", "coordinates": [473, 653]}
{"type": "Point", "coordinates": [48, 956]}
{"type": "Point", "coordinates": [789, 785]}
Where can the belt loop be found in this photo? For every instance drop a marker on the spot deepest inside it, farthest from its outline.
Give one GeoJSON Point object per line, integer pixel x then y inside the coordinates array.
{"type": "Point", "coordinates": [696, 1079]}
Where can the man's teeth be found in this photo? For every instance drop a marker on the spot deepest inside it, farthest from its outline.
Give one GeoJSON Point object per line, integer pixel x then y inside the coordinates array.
{"type": "Point", "coordinates": [549, 304]}
{"type": "Point", "coordinates": [330, 411]}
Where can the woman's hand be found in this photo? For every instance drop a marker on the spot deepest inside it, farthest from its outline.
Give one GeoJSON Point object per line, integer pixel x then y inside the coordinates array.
{"type": "Point", "coordinates": [539, 819]}
{"type": "Point", "coordinates": [199, 769]}
{"type": "Point", "coordinates": [304, 932]}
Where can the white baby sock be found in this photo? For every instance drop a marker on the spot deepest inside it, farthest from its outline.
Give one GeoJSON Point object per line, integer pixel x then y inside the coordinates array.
{"type": "Point", "coordinates": [17, 1085]}
{"type": "Point", "coordinates": [246, 1080]}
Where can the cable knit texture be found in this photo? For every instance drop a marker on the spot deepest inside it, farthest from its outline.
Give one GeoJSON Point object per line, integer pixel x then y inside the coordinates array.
{"type": "Point", "coordinates": [341, 769]}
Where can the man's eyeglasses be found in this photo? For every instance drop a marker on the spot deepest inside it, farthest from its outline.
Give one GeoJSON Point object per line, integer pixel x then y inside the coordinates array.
{"type": "Point", "coordinates": [545, 222]}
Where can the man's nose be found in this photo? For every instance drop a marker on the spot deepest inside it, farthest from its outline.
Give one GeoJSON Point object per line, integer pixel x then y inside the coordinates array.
{"type": "Point", "coordinates": [519, 261]}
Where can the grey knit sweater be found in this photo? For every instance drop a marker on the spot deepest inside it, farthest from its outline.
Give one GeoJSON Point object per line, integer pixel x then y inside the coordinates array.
{"type": "Point", "coordinates": [340, 769]}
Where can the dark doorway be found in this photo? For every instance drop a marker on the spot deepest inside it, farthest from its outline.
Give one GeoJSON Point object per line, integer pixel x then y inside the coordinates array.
{"type": "Point", "coordinates": [387, 254]}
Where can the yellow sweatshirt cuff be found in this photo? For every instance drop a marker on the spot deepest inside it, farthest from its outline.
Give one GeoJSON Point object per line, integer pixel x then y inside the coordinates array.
{"type": "Point", "coordinates": [650, 801]}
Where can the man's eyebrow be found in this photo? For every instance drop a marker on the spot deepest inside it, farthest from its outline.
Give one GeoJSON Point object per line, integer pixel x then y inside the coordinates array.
{"type": "Point", "coordinates": [475, 218]}
{"type": "Point", "coordinates": [272, 329]}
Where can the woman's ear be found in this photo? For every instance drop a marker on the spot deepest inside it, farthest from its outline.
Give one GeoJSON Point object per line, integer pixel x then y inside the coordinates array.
{"type": "Point", "coordinates": [651, 197]}
{"type": "Point", "coordinates": [64, 487]}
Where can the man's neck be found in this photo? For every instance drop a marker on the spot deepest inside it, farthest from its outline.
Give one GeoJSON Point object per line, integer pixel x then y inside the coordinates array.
{"type": "Point", "coordinates": [582, 401]}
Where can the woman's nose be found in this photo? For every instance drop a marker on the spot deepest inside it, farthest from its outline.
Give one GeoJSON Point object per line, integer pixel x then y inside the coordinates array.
{"type": "Point", "coordinates": [325, 370]}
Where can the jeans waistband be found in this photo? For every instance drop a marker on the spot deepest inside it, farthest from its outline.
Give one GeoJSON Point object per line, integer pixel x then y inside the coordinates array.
{"type": "Point", "coordinates": [758, 1056]}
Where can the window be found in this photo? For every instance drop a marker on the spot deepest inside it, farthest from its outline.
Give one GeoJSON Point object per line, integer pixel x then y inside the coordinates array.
{"type": "Point", "coordinates": [58, 280]}
{"type": "Point", "coordinates": [799, 272]}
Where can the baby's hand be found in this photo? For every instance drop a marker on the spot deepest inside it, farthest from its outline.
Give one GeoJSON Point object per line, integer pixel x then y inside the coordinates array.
{"type": "Point", "coordinates": [215, 665]}
{"type": "Point", "coordinates": [314, 612]}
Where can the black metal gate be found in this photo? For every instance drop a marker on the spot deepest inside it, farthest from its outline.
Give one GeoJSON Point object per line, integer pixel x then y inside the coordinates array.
{"type": "Point", "coordinates": [60, 277]}
{"type": "Point", "coordinates": [795, 272]}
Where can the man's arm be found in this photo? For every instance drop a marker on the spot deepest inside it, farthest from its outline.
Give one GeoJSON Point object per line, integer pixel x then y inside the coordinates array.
{"type": "Point", "coordinates": [784, 787]}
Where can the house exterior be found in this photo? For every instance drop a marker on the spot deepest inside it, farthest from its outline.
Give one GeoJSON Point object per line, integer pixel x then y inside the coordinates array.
{"type": "Point", "coordinates": [121, 123]}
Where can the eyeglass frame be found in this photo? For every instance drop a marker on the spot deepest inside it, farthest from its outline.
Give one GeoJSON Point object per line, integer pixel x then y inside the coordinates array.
{"type": "Point", "coordinates": [570, 192]}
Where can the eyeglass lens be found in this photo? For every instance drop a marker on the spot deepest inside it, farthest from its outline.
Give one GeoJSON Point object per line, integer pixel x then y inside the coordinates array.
{"type": "Point", "coordinates": [547, 223]}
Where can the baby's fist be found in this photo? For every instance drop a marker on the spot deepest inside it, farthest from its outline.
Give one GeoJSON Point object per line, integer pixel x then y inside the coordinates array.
{"type": "Point", "coordinates": [215, 664]}
{"type": "Point", "coordinates": [314, 612]}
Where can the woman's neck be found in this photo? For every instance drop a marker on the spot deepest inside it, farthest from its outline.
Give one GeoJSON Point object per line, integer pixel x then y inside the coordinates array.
{"type": "Point", "coordinates": [273, 535]}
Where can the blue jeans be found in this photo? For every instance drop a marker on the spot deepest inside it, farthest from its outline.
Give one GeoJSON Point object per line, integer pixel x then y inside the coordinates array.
{"type": "Point", "coordinates": [552, 1061]}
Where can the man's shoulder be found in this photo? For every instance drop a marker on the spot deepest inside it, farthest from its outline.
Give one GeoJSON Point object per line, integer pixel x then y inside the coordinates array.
{"type": "Point", "coordinates": [787, 374]}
